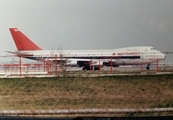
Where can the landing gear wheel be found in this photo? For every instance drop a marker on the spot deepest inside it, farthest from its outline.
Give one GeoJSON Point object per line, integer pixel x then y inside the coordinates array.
{"type": "Point", "coordinates": [147, 68]}
{"type": "Point", "coordinates": [84, 69]}
{"type": "Point", "coordinates": [96, 68]}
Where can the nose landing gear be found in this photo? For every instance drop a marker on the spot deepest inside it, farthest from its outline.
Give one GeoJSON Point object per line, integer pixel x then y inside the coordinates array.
{"type": "Point", "coordinates": [148, 67]}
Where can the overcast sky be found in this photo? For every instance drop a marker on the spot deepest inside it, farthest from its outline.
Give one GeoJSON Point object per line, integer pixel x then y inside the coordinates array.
{"type": "Point", "coordinates": [88, 24]}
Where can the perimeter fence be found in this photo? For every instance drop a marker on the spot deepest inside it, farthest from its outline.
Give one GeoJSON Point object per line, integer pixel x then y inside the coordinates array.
{"type": "Point", "coordinates": [134, 95]}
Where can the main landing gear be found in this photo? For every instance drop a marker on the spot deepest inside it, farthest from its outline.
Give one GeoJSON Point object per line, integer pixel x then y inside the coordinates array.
{"type": "Point", "coordinates": [88, 68]}
{"type": "Point", "coordinates": [148, 67]}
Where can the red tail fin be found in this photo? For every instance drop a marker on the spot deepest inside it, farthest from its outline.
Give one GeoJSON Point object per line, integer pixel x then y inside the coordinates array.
{"type": "Point", "coordinates": [23, 42]}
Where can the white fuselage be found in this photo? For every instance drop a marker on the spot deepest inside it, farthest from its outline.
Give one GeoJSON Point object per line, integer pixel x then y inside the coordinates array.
{"type": "Point", "coordinates": [122, 56]}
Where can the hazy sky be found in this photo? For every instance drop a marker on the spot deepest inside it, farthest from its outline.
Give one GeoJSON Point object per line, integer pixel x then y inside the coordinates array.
{"type": "Point", "coordinates": [88, 24]}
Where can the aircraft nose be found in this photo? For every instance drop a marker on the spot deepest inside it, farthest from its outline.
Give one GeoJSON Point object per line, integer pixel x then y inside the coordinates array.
{"type": "Point", "coordinates": [164, 56]}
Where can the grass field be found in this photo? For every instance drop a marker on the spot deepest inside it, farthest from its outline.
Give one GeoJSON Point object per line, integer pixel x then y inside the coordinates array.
{"type": "Point", "coordinates": [131, 92]}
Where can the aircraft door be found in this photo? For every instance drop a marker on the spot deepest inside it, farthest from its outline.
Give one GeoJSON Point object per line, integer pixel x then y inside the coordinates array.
{"type": "Point", "coordinates": [142, 55]}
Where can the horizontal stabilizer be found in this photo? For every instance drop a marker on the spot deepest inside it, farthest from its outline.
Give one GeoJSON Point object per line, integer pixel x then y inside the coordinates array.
{"type": "Point", "coordinates": [20, 54]}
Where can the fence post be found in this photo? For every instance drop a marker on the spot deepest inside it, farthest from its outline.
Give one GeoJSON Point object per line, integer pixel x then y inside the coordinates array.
{"type": "Point", "coordinates": [157, 66]}
{"type": "Point", "coordinates": [99, 65]}
{"type": "Point", "coordinates": [56, 63]}
{"type": "Point", "coordinates": [90, 65]}
{"type": "Point", "coordinates": [20, 65]}
{"type": "Point", "coordinates": [111, 66]}
{"type": "Point", "coordinates": [141, 66]}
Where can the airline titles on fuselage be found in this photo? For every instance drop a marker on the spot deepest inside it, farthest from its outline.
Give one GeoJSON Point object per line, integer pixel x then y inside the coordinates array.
{"type": "Point", "coordinates": [126, 53]}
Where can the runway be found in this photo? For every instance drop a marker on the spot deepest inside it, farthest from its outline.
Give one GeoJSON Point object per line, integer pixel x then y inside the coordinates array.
{"type": "Point", "coordinates": [119, 71]}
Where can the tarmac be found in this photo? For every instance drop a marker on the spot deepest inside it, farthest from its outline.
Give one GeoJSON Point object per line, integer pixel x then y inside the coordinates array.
{"type": "Point", "coordinates": [105, 71]}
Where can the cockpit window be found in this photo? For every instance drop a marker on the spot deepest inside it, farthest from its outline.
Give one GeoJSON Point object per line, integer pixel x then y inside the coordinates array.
{"type": "Point", "coordinates": [152, 48]}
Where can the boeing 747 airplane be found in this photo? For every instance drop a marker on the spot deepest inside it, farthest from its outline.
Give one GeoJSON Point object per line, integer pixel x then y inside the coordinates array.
{"type": "Point", "coordinates": [86, 59]}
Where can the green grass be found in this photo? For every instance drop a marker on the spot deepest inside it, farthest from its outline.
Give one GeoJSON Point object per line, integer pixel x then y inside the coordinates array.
{"type": "Point", "coordinates": [135, 92]}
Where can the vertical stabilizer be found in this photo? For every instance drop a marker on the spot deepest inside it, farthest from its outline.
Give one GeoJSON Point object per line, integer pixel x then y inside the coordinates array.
{"type": "Point", "coordinates": [22, 42]}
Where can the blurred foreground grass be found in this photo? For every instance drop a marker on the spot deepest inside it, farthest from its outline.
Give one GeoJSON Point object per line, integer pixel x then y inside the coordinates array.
{"type": "Point", "coordinates": [116, 92]}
